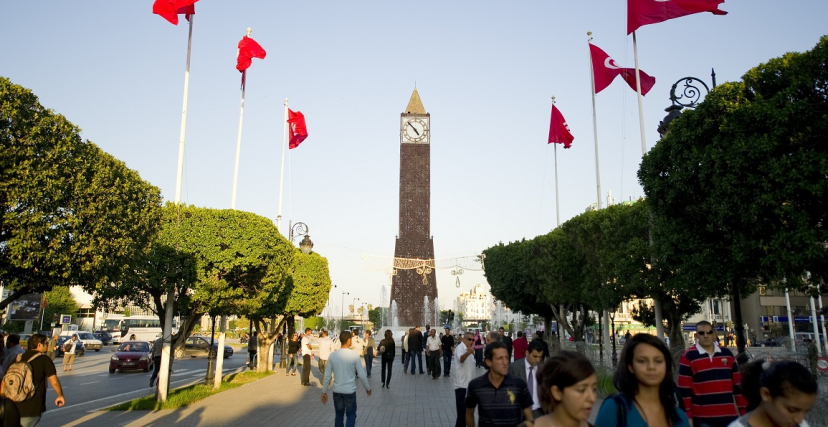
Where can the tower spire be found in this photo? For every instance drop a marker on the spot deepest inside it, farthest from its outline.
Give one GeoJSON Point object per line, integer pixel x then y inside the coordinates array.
{"type": "Point", "coordinates": [415, 106]}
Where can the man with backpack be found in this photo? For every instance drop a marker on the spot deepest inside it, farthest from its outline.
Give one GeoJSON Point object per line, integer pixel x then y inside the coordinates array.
{"type": "Point", "coordinates": [25, 382]}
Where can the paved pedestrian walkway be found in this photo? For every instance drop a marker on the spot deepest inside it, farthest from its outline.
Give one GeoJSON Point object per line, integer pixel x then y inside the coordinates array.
{"type": "Point", "coordinates": [281, 400]}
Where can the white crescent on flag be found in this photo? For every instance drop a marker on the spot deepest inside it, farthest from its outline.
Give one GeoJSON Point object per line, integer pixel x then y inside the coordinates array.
{"type": "Point", "coordinates": [610, 63]}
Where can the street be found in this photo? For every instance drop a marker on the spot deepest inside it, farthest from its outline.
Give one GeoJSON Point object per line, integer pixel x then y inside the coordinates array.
{"type": "Point", "coordinates": [90, 385]}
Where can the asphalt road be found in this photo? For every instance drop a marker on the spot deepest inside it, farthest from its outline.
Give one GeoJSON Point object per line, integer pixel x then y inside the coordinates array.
{"type": "Point", "coordinates": [90, 386]}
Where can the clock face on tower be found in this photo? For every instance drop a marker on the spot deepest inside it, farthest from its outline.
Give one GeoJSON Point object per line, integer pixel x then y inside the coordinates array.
{"type": "Point", "coordinates": [414, 130]}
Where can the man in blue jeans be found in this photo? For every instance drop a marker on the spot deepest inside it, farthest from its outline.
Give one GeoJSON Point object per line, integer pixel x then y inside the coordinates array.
{"type": "Point", "coordinates": [345, 365]}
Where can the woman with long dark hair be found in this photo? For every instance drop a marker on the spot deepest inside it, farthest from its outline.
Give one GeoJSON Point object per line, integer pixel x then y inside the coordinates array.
{"type": "Point", "coordinates": [293, 349]}
{"type": "Point", "coordinates": [779, 394]}
{"type": "Point", "coordinates": [647, 393]}
{"type": "Point", "coordinates": [567, 390]}
{"type": "Point", "coordinates": [387, 350]}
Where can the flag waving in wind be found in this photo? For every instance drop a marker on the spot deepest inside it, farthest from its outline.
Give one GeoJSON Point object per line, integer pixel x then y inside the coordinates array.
{"type": "Point", "coordinates": [248, 49]}
{"type": "Point", "coordinates": [170, 9]}
{"type": "Point", "coordinates": [645, 12]}
{"type": "Point", "coordinates": [298, 129]}
{"type": "Point", "coordinates": [559, 130]}
{"type": "Point", "coordinates": [605, 70]}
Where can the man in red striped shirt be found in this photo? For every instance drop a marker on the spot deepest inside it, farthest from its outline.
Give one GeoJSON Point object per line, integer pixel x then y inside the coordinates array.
{"type": "Point", "coordinates": [709, 381]}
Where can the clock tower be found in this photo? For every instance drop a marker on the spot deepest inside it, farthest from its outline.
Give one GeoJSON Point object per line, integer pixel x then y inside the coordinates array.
{"type": "Point", "coordinates": [411, 286]}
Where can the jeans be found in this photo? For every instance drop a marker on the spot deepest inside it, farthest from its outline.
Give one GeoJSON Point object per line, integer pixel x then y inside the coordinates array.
{"type": "Point", "coordinates": [460, 403]}
{"type": "Point", "coordinates": [322, 364]}
{"type": "Point", "coordinates": [368, 361]}
{"type": "Point", "coordinates": [252, 363]}
{"type": "Point", "coordinates": [478, 357]}
{"type": "Point", "coordinates": [406, 358]}
{"type": "Point", "coordinates": [345, 407]}
{"type": "Point", "coordinates": [306, 368]}
{"type": "Point", "coordinates": [292, 362]}
{"type": "Point", "coordinates": [447, 363]}
{"type": "Point", "coordinates": [415, 362]}
{"type": "Point", "coordinates": [386, 363]}
{"type": "Point", "coordinates": [156, 361]}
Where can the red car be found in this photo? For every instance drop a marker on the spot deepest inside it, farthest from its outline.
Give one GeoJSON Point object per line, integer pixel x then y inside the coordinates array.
{"type": "Point", "coordinates": [132, 355]}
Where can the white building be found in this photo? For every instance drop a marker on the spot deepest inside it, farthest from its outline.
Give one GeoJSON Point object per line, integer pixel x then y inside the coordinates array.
{"type": "Point", "coordinates": [475, 305]}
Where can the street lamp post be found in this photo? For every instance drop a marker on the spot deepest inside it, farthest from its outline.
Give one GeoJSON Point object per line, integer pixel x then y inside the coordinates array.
{"type": "Point", "coordinates": [342, 309]}
{"type": "Point", "coordinates": [297, 230]}
{"type": "Point", "coordinates": [354, 304]}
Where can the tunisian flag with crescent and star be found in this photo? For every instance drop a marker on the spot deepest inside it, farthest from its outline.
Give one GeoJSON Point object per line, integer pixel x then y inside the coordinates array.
{"type": "Point", "coordinates": [644, 12]}
{"type": "Point", "coordinates": [559, 130]}
{"type": "Point", "coordinates": [298, 128]}
{"type": "Point", "coordinates": [605, 70]}
{"type": "Point", "coordinates": [170, 9]}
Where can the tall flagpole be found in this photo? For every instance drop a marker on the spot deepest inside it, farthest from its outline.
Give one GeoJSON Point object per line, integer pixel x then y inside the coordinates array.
{"type": "Point", "coordinates": [594, 123]}
{"type": "Point", "coordinates": [557, 201]}
{"type": "Point", "coordinates": [166, 349]}
{"type": "Point", "coordinates": [238, 140]}
{"type": "Point", "coordinates": [659, 323]}
{"type": "Point", "coordinates": [282, 174]}
{"type": "Point", "coordinates": [605, 315]}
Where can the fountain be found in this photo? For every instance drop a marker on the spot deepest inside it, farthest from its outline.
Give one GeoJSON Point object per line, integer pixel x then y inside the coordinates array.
{"type": "Point", "coordinates": [426, 312]}
{"type": "Point", "coordinates": [436, 311]}
{"type": "Point", "coordinates": [395, 321]}
{"type": "Point", "coordinates": [383, 310]}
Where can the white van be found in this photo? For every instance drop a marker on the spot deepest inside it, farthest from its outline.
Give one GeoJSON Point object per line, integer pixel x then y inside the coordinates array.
{"type": "Point", "coordinates": [89, 341]}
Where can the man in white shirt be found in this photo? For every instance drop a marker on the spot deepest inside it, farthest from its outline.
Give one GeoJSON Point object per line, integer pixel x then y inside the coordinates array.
{"type": "Point", "coordinates": [357, 344]}
{"type": "Point", "coordinates": [527, 370]}
{"type": "Point", "coordinates": [434, 353]}
{"type": "Point", "coordinates": [463, 373]}
{"type": "Point", "coordinates": [325, 349]}
{"type": "Point", "coordinates": [406, 355]}
{"type": "Point", "coordinates": [345, 368]}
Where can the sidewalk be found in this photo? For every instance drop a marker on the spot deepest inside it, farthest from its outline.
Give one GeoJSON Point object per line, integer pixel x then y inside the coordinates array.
{"type": "Point", "coordinates": [281, 400]}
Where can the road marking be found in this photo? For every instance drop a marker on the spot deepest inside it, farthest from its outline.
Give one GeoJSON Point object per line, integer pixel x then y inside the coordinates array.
{"type": "Point", "coordinates": [93, 382]}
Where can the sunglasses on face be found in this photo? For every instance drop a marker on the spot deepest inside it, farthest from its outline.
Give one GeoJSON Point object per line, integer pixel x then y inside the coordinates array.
{"type": "Point", "coordinates": [703, 333]}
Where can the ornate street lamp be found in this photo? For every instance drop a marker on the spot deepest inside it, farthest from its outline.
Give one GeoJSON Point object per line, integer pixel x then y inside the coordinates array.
{"type": "Point", "coordinates": [689, 96]}
{"type": "Point", "coordinates": [301, 229]}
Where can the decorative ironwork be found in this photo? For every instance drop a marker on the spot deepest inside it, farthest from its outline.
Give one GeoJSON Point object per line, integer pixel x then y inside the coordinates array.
{"type": "Point", "coordinates": [691, 93]}
{"type": "Point", "coordinates": [298, 230]}
{"type": "Point", "coordinates": [424, 271]}
{"type": "Point", "coordinates": [457, 272]}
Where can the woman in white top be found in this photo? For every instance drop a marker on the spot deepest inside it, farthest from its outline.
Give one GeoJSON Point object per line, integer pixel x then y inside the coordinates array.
{"type": "Point", "coordinates": [779, 394]}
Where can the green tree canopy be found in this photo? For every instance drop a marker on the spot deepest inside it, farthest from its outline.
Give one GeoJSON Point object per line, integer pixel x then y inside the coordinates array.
{"type": "Point", "coordinates": [70, 214]}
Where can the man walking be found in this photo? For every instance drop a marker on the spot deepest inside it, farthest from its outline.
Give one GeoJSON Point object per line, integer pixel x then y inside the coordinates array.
{"type": "Point", "coordinates": [506, 340]}
{"type": "Point", "coordinates": [427, 334]}
{"type": "Point", "coordinates": [325, 349]}
{"type": "Point", "coordinates": [43, 369]}
{"type": "Point", "coordinates": [13, 348]}
{"type": "Point", "coordinates": [448, 349]}
{"type": "Point", "coordinates": [406, 355]}
{"type": "Point", "coordinates": [527, 370]}
{"type": "Point", "coordinates": [519, 345]}
{"type": "Point", "coordinates": [307, 357]}
{"type": "Point", "coordinates": [464, 356]}
{"type": "Point", "coordinates": [157, 346]}
{"type": "Point", "coordinates": [69, 348]}
{"type": "Point", "coordinates": [345, 366]}
{"type": "Point", "coordinates": [709, 381]}
{"type": "Point", "coordinates": [252, 349]}
{"type": "Point", "coordinates": [500, 399]}
{"type": "Point", "coordinates": [433, 353]}
{"type": "Point", "coordinates": [415, 346]}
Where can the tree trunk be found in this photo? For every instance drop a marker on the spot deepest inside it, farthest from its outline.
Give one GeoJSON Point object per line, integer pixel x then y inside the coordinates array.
{"type": "Point", "coordinates": [265, 336]}
{"type": "Point", "coordinates": [677, 344]}
{"type": "Point", "coordinates": [740, 328]}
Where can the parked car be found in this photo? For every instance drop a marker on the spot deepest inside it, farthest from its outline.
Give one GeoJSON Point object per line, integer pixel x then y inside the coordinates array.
{"type": "Point", "coordinates": [198, 346]}
{"type": "Point", "coordinates": [103, 336]}
{"type": "Point", "coordinates": [131, 355]}
{"type": "Point", "coordinates": [79, 350]}
{"type": "Point", "coordinates": [89, 340]}
{"type": "Point", "coordinates": [774, 342]}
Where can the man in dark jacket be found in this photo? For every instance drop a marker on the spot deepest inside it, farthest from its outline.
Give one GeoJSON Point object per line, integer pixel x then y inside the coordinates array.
{"type": "Point", "coordinates": [416, 342]}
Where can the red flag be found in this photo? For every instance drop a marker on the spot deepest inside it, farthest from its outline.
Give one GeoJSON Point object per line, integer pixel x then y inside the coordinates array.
{"type": "Point", "coordinates": [298, 128]}
{"type": "Point", "coordinates": [559, 130]}
{"type": "Point", "coordinates": [170, 9]}
{"type": "Point", "coordinates": [644, 12]}
{"type": "Point", "coordinates": [605, 70]}
{"type": "Point", "coordinates": [248, 49]}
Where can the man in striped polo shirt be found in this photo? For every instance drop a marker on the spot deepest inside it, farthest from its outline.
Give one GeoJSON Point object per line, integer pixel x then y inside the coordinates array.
{"type": "Point", "coordinates": [709, 381]}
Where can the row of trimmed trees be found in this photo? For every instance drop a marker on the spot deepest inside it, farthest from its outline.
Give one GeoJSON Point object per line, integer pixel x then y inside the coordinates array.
{"type": "Point", "coordinates": [73, 215]}
{"type": "Point", "coordinates": [737, 195]}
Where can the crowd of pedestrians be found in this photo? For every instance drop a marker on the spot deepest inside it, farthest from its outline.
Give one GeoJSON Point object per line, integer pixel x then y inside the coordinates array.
{"type": "Point", "coordinates": [504, 381]}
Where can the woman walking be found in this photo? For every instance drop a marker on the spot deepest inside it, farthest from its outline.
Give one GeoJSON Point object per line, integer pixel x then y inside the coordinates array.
{"type": "Point", "coordinates": [478, 349]}
{"type": "Point", "coordinates": [567, 390]}
{"type": "Point", "coordinates": [293, 348]}
{"type": "Point", "coordinates": [387, 349]}
{"type": "Point", "coordinates": [779, 394]}
{"type": "Point", "coordinates": [647, 392]}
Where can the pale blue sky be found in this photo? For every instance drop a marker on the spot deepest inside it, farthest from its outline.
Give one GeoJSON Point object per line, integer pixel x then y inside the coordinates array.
{"type": "Point", "coordinates": [485, 71]}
